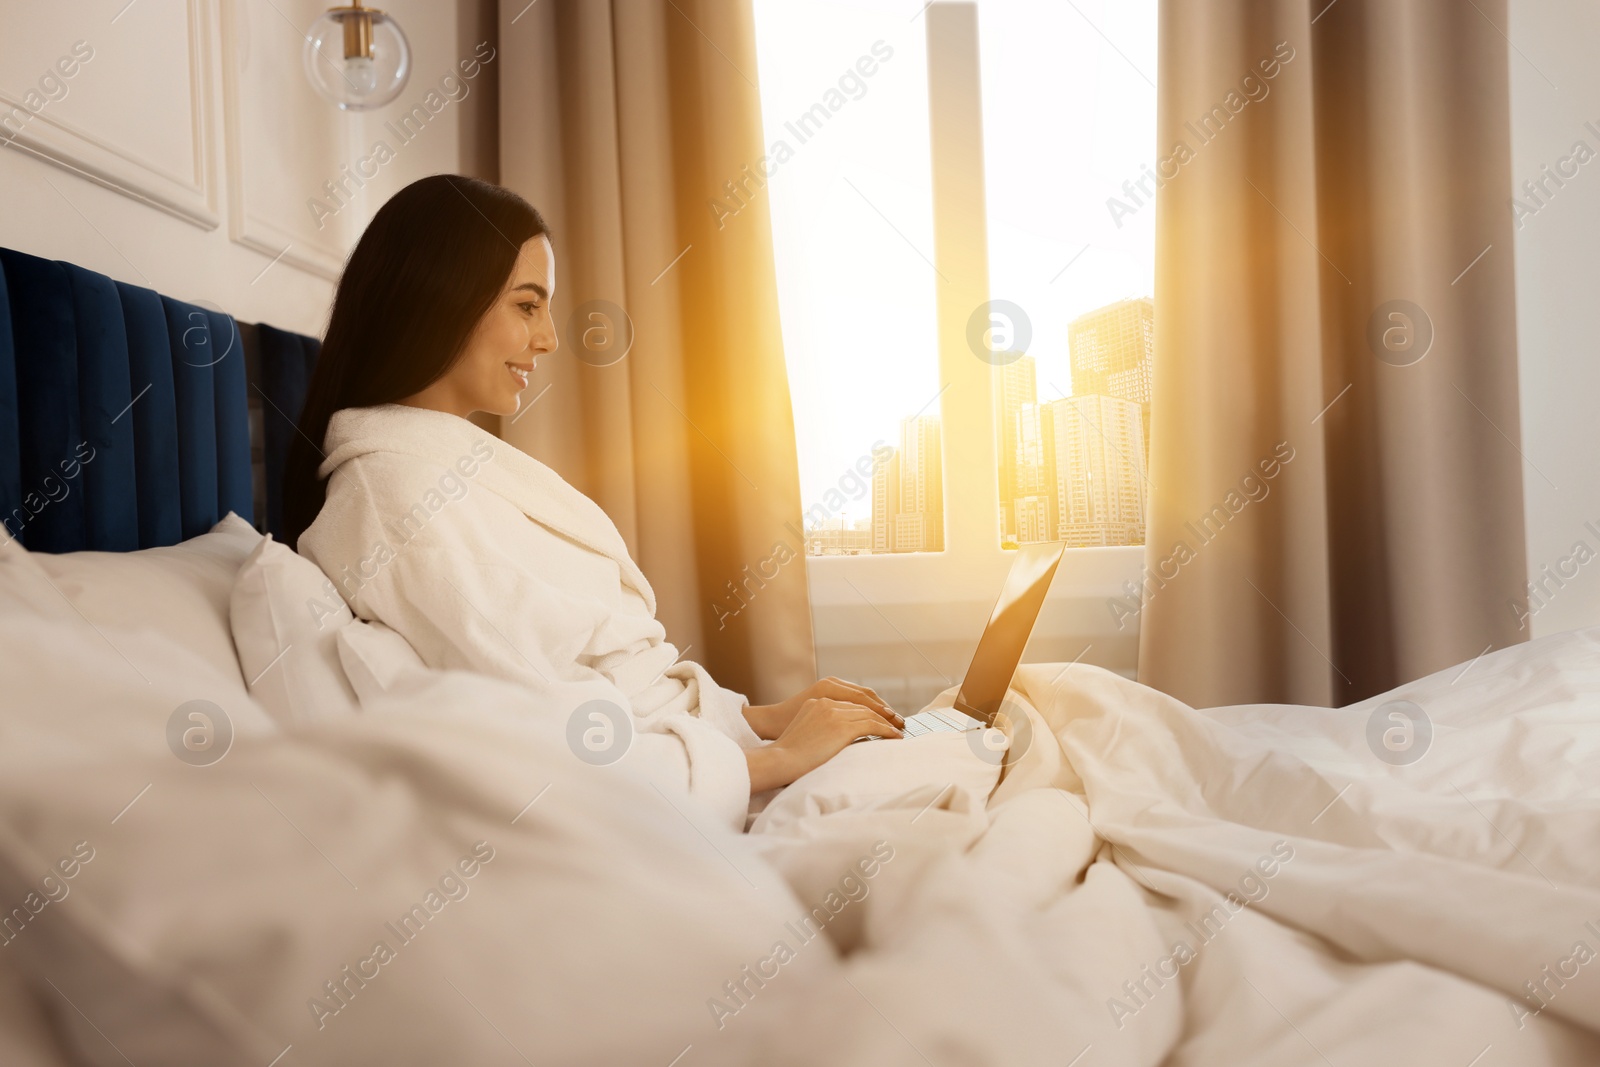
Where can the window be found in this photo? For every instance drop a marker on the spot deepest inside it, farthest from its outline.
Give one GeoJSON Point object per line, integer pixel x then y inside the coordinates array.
{"type": "Point", "coordinates": [844, 100]}
{"type": "Point", "coordinates": [1069, 121]}
{"type": "Point", "coordinates": [992, 384]}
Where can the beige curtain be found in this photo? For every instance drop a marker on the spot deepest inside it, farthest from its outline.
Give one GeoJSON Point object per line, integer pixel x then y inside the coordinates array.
{"type": "Point", "coordinates": [1336, 502]}
{"type": "Point", "coordinates": [622, 121]}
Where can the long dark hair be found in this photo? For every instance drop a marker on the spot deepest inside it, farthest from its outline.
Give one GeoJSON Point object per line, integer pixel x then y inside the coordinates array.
{"type": "Point", "coordinates": [428, 267]}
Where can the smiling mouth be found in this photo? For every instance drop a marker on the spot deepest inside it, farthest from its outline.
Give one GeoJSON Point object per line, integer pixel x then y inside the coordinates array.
{"type": "Point", "coordinates": [520, 373]}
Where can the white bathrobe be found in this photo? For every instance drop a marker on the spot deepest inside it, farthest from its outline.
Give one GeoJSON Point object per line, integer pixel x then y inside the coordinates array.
{"type": "Point", "coordinates": [426, 529]}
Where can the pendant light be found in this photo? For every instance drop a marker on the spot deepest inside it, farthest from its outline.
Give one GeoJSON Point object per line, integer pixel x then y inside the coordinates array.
{"type": "Point", "coordinates": [357, 57]}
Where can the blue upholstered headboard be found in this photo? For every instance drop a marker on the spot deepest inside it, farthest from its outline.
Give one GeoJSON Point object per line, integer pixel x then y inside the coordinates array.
{"type": "Point", "coordinates": [129, 419]}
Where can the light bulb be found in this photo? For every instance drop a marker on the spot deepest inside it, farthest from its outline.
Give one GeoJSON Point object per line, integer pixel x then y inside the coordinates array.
{"type": "Point", "coordinates": [362, 73]}
{"type": "Point", "coordinates": [357, 57]}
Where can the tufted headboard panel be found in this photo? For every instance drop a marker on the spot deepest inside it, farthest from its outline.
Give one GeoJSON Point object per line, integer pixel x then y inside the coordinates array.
{"type": "Point", "coordinates": [125, 416]}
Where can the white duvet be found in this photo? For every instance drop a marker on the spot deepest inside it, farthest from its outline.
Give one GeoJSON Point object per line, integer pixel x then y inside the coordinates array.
{"type": "Point", "coordinates": [1150, 884]}
{"type": "Point", "coordinates": [1250, 885]}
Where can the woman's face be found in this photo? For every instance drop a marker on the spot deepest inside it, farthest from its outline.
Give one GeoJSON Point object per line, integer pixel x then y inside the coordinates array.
{"type": "Point", "coordinates": [501, 352]}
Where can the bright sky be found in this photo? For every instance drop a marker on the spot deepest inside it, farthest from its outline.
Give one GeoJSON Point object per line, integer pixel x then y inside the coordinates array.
{"type": "Point", "coordinates": [1068, 117]}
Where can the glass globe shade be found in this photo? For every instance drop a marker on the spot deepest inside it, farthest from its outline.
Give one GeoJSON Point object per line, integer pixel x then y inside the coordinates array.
{"type": "Point", "coordinates": [355, 69]}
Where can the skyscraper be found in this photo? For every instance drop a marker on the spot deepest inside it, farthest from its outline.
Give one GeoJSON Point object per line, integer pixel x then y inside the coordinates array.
{"type": "Point", "coordinates": [908, 491]}
{"type": "Point", "coordinates": [1031, 475]}
{"type": "Point", "coordinates": [1032, 479]}
{"type": "Point", "coordinates": [1096, 449]}
{"type": "Point", "coordinates": [1111, 349]}
{"type": "Point", "coordinates": [919, 526]}
{"type": "Point", "coordinates": [1033, 519]}
{"type": "Point", "coordinates": [1015, 387]}
{"type": "Point", "coordinates": [885, 502]}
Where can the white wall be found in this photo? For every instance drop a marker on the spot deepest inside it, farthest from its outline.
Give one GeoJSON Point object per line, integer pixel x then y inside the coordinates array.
{"type": "Point", "coordinates": [181, 155]}
{"type": "Point", "coordinates": [1555, 91]}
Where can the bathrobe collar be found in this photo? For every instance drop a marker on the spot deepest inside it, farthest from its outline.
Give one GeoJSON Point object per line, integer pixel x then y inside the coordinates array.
{"type": "Point", "coordinates": [539, 492]}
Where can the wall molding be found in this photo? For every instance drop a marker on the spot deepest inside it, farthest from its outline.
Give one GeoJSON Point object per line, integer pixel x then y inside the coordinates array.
{"type": "Point", "coordinates": [272, 237]}
{"type": "Point", "coordinates": [191, 197]}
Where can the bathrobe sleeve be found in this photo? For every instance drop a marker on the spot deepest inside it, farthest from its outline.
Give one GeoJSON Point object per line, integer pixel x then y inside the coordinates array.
{"type": "Point", "coordinates": [442, 604]}
{"type": "Point", "coordinates": [722, 708]}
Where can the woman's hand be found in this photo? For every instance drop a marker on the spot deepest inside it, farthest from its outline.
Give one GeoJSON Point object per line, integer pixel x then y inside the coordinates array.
{"type": "Point", "coordinates": [818, 731]}
{"type": "Point", "coordinates": [769, 721]}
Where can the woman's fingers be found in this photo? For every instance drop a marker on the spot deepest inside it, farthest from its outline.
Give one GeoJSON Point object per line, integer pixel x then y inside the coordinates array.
{"type": "Point", "coordinates": [892, 716]}
{"type": "Point", "coordinates": [860, 694]}
{"type": "Point", "coordinates": [866, 721]}
{"type": "Point", "coordinates": [878, 726]}
{"type": "Point", "coordinates": [840, 717]}
{"type": "Point", "coordinates": [863, 694]}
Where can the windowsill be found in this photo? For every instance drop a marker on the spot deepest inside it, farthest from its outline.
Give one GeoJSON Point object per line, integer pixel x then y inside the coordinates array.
{"type": "Point", "coordinates": [907, 623]}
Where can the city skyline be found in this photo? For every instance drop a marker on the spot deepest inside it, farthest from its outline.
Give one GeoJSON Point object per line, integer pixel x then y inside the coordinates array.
{"type": "Point", "coordinates": [853, 213]}
{"type": "Point", "coordinates": [1071, 469]}
{"type": "Point", "coordinates": [1076, 468]}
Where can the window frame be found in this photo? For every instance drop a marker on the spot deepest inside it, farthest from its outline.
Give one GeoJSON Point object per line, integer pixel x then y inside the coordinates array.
{"type": "Point", "coordinates": [907, 623]}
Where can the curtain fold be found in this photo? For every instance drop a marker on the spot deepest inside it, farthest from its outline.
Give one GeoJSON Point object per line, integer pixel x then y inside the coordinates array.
{"type": "Point", "coordinates": [623, 121]}
{"type": "Point", "coordinates": [1336, 504]}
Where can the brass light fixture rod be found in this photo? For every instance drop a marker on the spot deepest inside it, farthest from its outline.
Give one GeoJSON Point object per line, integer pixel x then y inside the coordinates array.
{"type": "Point", "coordinates": [357, 22]}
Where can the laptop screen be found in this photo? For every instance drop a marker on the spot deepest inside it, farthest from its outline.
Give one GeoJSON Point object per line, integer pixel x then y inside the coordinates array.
{"type": "Point", "coordinates": [1010, 624]}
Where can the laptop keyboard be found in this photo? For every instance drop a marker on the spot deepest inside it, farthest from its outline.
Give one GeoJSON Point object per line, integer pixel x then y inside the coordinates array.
{"type": "Point", "coordinates": [940, 720]}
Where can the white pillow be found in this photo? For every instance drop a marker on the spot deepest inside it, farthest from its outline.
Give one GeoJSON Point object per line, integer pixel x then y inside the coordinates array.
{"type": "Point", "coordinates": [377, 659]}
{"type": "Point", "coordinates": [285, 615]}
{"type": "Point", "coordinates": [181, 591]}
{"type": "Point", "coordinates": [79, 691]}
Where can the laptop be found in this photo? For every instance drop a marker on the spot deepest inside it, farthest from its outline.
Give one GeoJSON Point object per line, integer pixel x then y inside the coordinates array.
{"type": "Point", "coordinates": [977, 704]}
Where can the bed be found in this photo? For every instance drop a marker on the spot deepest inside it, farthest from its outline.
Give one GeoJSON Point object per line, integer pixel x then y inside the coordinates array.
{"type": "Point", "coordinates": [238, 826]}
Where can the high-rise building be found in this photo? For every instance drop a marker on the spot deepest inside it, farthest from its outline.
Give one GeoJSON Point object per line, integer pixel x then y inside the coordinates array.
{"type": "Point", "coordinates": [1026, 511]}
{"type": "Point", "coordinates": [919, 526]}
{"type": "Point", "coordinates": [1031, 475]}
{"type": "Point", "coordinates": [1033, 519]}
{"type": "Point", "coordinates": [908, 492]}
{"type": "Point", "coordinates": [1015, 387]}
{"type": "Point", "coordinates": [918, 532]}
{"type": "Point", "coordinates": [1111, 350]}
{"type": "Point", "coordinates": [1096, 450]}
{"type": "Point", "coordinates": [885, 502]}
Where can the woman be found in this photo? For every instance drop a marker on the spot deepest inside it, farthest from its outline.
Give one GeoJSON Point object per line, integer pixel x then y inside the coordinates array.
{"type": "Point", "coordinates": [482, 557]}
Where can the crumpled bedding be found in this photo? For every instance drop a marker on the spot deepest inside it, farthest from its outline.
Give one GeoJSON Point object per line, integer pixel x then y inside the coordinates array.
{"type": "Point", "coordinates": [1250, 885]}
{"type": "Point", "coordinates": [1147, 884]}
